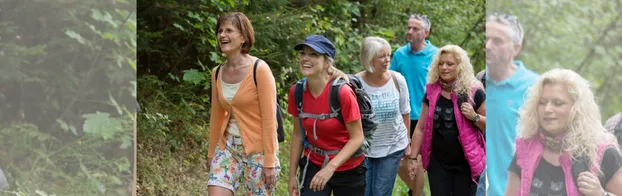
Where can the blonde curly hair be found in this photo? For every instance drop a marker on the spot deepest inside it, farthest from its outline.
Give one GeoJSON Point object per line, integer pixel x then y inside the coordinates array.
{"type": "Point", "coordinates": [465, 76]}
{"type": "Point", "coordinates": [585, 130]}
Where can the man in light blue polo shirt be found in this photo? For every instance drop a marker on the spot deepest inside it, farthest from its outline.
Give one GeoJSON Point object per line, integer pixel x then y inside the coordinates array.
{"type": "Point", "coordinates": [507, 81]}
{"type": "Point", "coordinates": [412, 61]}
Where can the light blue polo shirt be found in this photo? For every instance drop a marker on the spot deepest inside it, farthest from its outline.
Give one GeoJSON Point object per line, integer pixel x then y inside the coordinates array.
{"type": "Point", "coordinates": [414, 67]}
{"type": "Point", "coordinates": [503, 101]}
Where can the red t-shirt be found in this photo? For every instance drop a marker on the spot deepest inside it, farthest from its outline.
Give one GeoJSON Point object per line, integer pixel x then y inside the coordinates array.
{"type": "Point", "coordinates": [332, 134]}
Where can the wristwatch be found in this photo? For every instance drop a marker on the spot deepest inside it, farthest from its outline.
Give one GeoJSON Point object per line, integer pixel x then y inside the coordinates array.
{"type": "Point", "coordinates": [476, 118]}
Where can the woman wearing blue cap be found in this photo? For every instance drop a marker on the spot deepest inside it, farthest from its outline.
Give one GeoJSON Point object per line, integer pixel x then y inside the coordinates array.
{"type": "Point", "coordinates": [329, 164]}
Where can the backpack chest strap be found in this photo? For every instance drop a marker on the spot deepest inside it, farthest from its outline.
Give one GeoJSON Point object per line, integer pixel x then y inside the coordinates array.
{"type": "Point", "coordinates": [325, 153]}
{"type": "Point", "coordinates": [316, 117]}
{"type": "Point", "coordinates": [319, 116]}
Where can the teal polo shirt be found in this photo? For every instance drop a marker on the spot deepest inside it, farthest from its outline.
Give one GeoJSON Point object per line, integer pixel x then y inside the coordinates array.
{"type": "Point", "coordinates": [414, 67]}
{"type": "Point", "coordinates": [503, 101]}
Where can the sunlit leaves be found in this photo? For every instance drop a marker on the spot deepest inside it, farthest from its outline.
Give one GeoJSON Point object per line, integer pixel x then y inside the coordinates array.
{"type": "Point", "coordinates": [100, 124]}
{"type": "Point", "coordinates": [65, 127]}
{"type": "Point", "coordinates": [193, 76]}
{"type": "Point", "coordinates": [76, 36]}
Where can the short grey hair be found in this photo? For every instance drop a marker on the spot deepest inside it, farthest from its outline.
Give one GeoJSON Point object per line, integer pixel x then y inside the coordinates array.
{"type": "Point", "coordinates": [511, 21]}
{"type": "Point", "coordinates": [423, 18]}
{"type": "Point", "coordinates": [369, 49]}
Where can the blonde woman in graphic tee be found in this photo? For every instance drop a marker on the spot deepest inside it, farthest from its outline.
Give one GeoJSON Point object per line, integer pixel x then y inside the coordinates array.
{"type": "Point", "coordinates": [389, 95]}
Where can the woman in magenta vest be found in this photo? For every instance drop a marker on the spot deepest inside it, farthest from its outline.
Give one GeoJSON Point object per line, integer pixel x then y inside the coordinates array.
{"type": "Point", "coordinates": [449, 131]}
{"type": "Point", "coordinates": [562, 147]}
{"type": "Point", "coordinates": [329, 164]}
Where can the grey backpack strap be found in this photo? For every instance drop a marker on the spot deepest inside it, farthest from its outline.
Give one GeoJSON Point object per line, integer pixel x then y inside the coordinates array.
{"type": "Point", "coordinates": [397, 85]}
{"type": "Point", "coordinates": [318, 116]}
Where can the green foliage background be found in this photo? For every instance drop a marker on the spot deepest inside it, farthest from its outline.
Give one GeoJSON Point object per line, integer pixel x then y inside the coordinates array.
{"type": "Point", "coordinates": [584, 36]}
{"type": "Point", "coordinates": [177, 50]}
{"type": "Point", "coordinates": [67, 88]}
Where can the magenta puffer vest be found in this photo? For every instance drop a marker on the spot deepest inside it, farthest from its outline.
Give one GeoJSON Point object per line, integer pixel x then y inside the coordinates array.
{"type": "Point", "coordinates": [471, 139]}
{"type": "Point", "coordinates": [528, 155]}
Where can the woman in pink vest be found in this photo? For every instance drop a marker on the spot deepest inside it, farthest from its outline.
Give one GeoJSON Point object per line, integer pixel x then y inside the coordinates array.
{"type": "Point", "coordinates": [449, 131]}
{"type": "Point", "coordinates": [562, 147]}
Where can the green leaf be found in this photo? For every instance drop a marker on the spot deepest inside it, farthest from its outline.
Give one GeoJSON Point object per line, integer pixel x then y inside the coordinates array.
{"type": "Point", "coordinates": [97, 15]}
{"type": "Point", "coordinates": [214, 57]}
{"type": "Point", "coordinates": [73, 130]}
{"type": "Point", "coordinates": [193, 76]}
{"type": "Point", "coordinates": [599, 50]}
{"type": "Point", "coordinates": [127, 142]}
{"type": "Point", "coordinates": [356, 12]}
{"type": "Point", "coordinates": [101, 125]}
{"type": "Point", "coordinates": [75, 36]}
{"type": "Point", "coordinates": [179, 26]}
{"type": "Point", "coordinates": [63, 125]}
{"type": "Point", "coordinates": [174, 77]}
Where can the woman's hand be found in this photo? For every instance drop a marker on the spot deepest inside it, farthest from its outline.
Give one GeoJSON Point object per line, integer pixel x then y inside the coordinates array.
{"type": "Point", "coordinates": [321, 178]}
{"type": "Point", "coordinates": [293, 187]}
{"type": "Point", "coordinates": [467, 110]}
{"type": "Point", "coordinates": [413, 165]}
{"type": "Point", "coordinates": [269, 176]}
{"type": "Point", "coordinates": [589, 184]}
{"type": "Point", "coordinates": [407, 151]}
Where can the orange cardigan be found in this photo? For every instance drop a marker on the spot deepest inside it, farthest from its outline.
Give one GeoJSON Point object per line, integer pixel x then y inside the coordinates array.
{"type": "Point", "coordinates": [255, 112]}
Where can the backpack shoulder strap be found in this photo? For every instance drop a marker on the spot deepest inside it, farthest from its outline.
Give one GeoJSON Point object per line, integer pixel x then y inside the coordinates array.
{"type": "Point", "coordinates": [617, 131]}
{"type": "Point", "coordinates": [298, 90]}
{"type": "Point", "coordinates": [618, 128]}
{"type": "Point", "coordinates": [334, 97]}
{"type": "Point", "coordinates": [483, 79]}
{"type": "Point", "coordinates": [255, 71]}
{"type": "Point", "coordinates": [397, 85]}
{"type": "Point", "coordinates": [473, 93]}
{"type": "Point", "coordinates": [583, 164]}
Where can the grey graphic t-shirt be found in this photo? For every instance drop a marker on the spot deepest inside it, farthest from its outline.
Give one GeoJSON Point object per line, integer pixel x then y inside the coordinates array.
{"type": "Point", "coordinates": [389, 105]}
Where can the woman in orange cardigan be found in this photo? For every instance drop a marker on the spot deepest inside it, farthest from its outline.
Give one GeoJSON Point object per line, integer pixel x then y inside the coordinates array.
{"type": "Point", "coordinates": [243, 146]}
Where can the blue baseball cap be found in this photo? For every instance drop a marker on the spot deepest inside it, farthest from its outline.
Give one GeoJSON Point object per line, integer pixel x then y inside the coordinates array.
{"type": "Point", "coordinates": [319, 43]}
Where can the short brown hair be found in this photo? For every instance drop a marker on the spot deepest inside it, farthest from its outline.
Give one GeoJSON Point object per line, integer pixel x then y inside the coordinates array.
{"type": "Point", "coordinates": [242, 23]}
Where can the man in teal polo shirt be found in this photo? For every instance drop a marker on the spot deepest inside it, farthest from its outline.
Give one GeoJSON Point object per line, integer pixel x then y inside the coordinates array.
{"type": "Point", "coordinates": [412, 61]}
{"type": "Point", "coordinates": [507, 81]}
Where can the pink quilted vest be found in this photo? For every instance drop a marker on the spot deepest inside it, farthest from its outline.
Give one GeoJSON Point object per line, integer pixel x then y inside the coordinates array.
{"type": "Point", "coordinates": [470, 137]}
{"type": "Point", "coordinates": [528, 155]}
